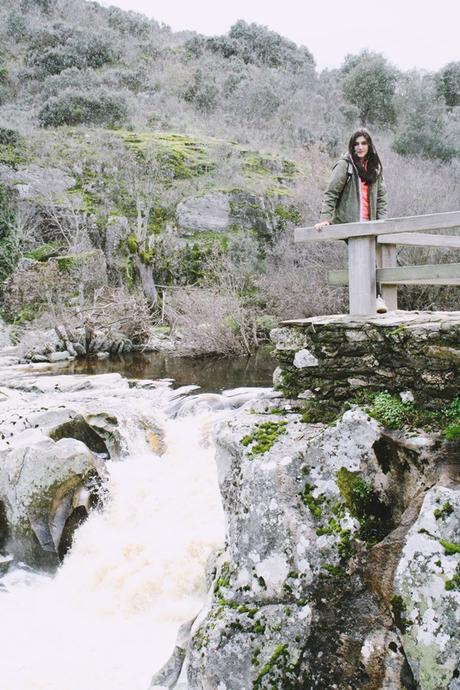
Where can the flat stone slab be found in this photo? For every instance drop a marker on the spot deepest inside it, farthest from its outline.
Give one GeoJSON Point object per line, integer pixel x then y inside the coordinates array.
{"type": "Point", "coordinates": [392, 318]}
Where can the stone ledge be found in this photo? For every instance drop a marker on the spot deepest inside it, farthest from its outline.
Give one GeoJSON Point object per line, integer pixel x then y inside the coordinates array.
{"type": "Point", "coordinates": [398, 351]}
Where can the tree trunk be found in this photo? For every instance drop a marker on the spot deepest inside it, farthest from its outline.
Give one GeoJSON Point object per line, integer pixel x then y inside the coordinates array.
{"type": "Point", "coordinates": [147, 280]}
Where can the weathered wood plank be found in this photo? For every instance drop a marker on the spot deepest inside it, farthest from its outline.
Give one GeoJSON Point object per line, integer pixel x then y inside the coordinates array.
{"type": "Point", "coordinates": [440, 274]}
{"type": "Point", "coordinates": [419, 239]}
{"type": "Point", "coordinates": [432, 221]}
{"type": "Point", "coordinates": [430, 274]}
{"type": "Point", "coordinates": [361, 269]}
{"type": "Point", "coordinates": [386, 258]}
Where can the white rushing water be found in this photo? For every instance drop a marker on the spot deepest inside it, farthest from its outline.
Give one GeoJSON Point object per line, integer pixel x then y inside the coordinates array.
{"type": "Point", "coordinates": [108, 619]}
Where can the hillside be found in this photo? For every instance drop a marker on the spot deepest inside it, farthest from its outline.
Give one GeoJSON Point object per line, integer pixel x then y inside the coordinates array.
{"type": "Point", "coordinates": [163, 171]}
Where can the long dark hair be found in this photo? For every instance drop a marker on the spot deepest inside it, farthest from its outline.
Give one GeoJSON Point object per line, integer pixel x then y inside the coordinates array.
{"type": "Point", "coordinates": [373, 168]}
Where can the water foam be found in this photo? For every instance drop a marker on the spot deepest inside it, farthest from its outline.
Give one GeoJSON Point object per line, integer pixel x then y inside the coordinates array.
{"type": "Point", "coordinates": [109, 617]}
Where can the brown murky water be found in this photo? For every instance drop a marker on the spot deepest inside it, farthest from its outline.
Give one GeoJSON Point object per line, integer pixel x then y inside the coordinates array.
{"type": "Point", "coordinates": [212, 374]}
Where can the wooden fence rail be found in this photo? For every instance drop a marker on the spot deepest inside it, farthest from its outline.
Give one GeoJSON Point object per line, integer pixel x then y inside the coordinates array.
{"type": "Point", "coordinates": [372, 256]}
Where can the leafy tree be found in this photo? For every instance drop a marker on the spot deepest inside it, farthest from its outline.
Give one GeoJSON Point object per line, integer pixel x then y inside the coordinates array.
{"type": "Point", "coordinates": [448, 84]}
{"type": "Point", "coordinates": [63, 47]}
{"type": "Point", "coordinates": [369, 83]}
{"type": "Point", "coordinates": [424, 124]}
{"type": "Point", "coordinates": [255, 44]}
{"type": "Point", "coordinates": [9, 250]}
{"type": "Point", "coordinates": [202, 92]}
{"type": "Point", "coordinates": [75, 107]}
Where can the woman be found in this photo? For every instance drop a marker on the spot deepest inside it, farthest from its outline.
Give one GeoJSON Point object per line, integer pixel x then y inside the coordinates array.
{"type": "Point", "coordinates": [356, 191]}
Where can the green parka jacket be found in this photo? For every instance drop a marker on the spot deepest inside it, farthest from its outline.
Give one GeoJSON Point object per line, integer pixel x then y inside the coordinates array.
{"type": "Point", "coordinates": [341, 202]}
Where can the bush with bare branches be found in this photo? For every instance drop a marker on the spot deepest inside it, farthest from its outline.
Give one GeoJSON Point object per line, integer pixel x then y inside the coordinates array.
{"type": "Point", "coordinates": [295, 283]}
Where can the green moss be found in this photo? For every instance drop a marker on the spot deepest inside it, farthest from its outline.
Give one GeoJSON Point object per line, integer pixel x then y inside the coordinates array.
{"type": "Point", "coordinates": [390, 411]}
{"type": "Point", "coordinates": [44, 251]}
{"type": "Point", "coordinates": [133, 243]}
{"type": "Point", "coordinates": [450, 549]}
{"type": "Point", "coordinates": [454, 583]}
{"type": "Point", "coordinates": [398, 609]}
{"type": "Point", "coordinates": [65, 263]}
{"type": "Point", "coordinates": [278, 658]}
{"type": "Point", "coordinates": [178, 155]}
{"type": "Point", "coordinates": [452, 432]}
{"type": "Point", "coordinates": [286, 214]}
{"type": "Point", "coordinates": [319, 411]}
{"type": "Point", "coordinates": [446, 509]}
{"type": "Point", "coordinates": [314, 504]}
{"type": "Point", "coordinates": [365, 505]}
{"type": "Point", "coordinates": [224, 578]}
{"type": "Point", "coordinates": [263, 436]}
{"type": "Point", "coordinates": [334, 570]}
{"type": "Point", "coordinates": [147, 256]}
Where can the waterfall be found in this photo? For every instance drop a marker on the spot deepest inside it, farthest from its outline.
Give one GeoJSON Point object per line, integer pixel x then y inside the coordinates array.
{"type": "Point", "coordinates": [109, 616]}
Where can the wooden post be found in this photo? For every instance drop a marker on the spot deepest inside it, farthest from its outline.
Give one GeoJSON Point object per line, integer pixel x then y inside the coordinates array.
{"type": "Point", "coordinates": [386, 258]}
{"type": "Point", "coordinates": [361, 275]}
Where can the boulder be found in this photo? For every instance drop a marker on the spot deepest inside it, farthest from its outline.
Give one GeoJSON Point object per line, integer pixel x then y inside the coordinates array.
{"type": "Point", "coordinates": [318, 553]}
{"type": "Point", "coordinates": [36, 183]}
{"type": "Point", "coordinates": [427, 591]}
{"type": "Point", "coordinates": [42, 483]}
{"type": "Point", "coordinates": [227, 211]}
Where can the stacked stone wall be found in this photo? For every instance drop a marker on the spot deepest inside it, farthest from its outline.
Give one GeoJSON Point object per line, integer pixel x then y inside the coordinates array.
{"type": "Point", "coordinates": [333, 358]}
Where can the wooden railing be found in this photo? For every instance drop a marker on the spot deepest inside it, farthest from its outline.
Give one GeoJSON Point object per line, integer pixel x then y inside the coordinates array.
{"type": "Point", "coordinates": [372, 256]}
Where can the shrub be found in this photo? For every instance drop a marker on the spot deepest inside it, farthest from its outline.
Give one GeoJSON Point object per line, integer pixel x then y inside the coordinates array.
{"type": "Point", "coordinates": [424, 128]}
{"type": "Point", "coordinates": [128, 22]}
{"type": "Point", "coordinates": [254, 44]}
{"type": "Point", "coordinates": [202, 92]}
{"type": "Point", "coordinates": [9, 250]}
{"type": "Point", "coordinates": [75, 107]}
{"type": "Point", "coordinates": [208, 321]}
{"type": "Point", "coordinates": [295, 283]}
{"type": "Point", "coordinates": [448, 84]}
{"type": "Point", "coordinates": [64, 47]}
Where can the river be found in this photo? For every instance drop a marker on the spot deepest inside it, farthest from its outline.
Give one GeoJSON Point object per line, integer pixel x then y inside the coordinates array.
{"type": "Point", "coordinates": [107, 619]}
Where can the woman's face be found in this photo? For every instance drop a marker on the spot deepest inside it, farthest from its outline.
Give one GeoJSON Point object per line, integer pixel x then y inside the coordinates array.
{"type": "Point", "coordinates": [361, 147]}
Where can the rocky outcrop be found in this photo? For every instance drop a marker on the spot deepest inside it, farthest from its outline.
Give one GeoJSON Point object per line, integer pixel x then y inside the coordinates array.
{"type": "Point", "coordinates": [36, 183]}
{"type": "Point", "coordinates": [226, 211]}
{"type": "Point", "coordinates": [297, 600]}
{"type": "Point", "coordinates": [52, 466]}
{"type": "Point", "coordinates": [334, 358]}
{"type": "Point", "coordinates": [45, 485]}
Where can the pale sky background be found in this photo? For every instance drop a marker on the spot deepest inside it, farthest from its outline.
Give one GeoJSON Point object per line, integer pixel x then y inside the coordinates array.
{"type": "Point", "coordinates": [411, 33]}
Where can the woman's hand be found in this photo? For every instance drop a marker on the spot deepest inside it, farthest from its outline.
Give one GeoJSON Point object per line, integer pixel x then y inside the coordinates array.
{"type": "Point", "coordinates": [322, 224]}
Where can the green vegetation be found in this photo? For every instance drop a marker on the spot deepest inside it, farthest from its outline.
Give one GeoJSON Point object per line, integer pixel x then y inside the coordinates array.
{"type": "Point", "coordinates": [75, 108]}
{"type": "Point", "coordinates": [314, 504]}
{"type": "Point", "coordinates": [398, 609]}
{"type": "Point", "coordinates": [369, 83]}
{"type": "Point", "coordinates": [12, 148]}
{"type": "Point", "coordinates": [316, 411]}
{"type": "Point", "coordinates": [278, 659]}
{"type": "Point", "coordinates": [390, 411]}
{"type": "Point", "coordinates": [365, 505]}
{"type": "Point", "coordinates": [45, 251]}
{"type": "Point", "coordinates": [450, 549]}
{"type": "Point", "coordinates": [263, 436]}
{"type": "Point", "coordinates": [454, 583]}
{"type": "Point", "coordinates": [443, 512]}
{"type": "Point", "coordinates": [9, 247]}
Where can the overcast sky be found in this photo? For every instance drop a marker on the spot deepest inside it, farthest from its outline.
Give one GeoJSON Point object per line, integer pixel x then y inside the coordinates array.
{"type": "Point", "coordinates": [410, 33]}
